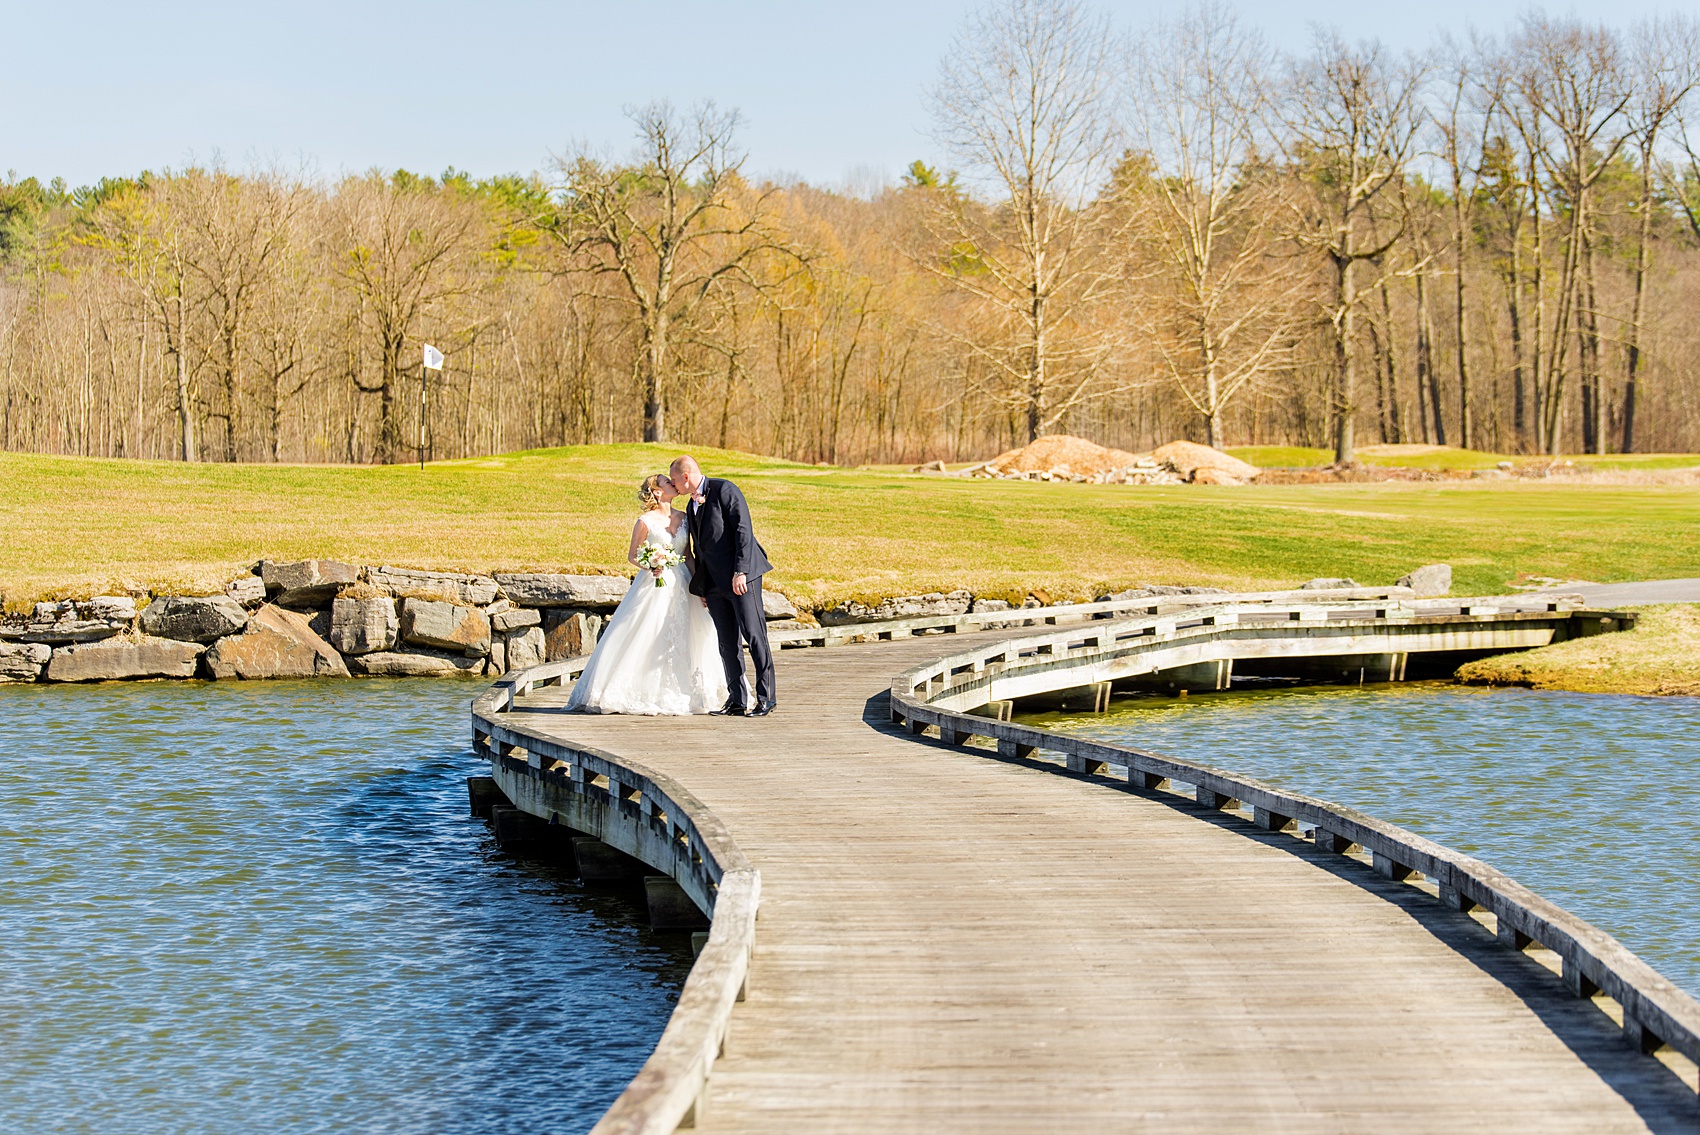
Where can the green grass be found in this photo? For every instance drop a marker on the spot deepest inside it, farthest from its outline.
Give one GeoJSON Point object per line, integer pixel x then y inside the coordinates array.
{"type": "Point", "coordinates": [1305, 457]}
{"type": "Point", "coordinates": [81, 526]}
{"type": "Point", "coordinates": [1282, 456]}
{"type": "Point", "coordinates": [1661, 655]}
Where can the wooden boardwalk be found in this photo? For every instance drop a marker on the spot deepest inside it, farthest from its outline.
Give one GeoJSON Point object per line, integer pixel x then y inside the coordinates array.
{"type": "Point", "coordinates": [951, 942]}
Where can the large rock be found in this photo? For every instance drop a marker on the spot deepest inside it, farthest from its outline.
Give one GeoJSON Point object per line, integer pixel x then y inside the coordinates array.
{"type": "Point", "coordinates": [86, 620]}
{"type": "Point", "coordinates": [568, 634]}
{"type": "Point", "coordinates": [525, 649]}
{"type": "Point", "coordinates": [426, 622]}
{"type": "Point", "coordinates": [248, 590]}
{"type": "Point", "coordinates": [275, 644]}
{"type": "Point", "coordinates": [514, 619]}
{"type": "Point", "coordinates": [416, 664]}
{"type": "Point", "coordinates": [119, 658]}
{"type": "Point", "coordinates": [194, 618]}
{"type": "Point", "coordinates": [774, 605]}
{"type": "Point", "coordinates": [900, 607]}
{"type": "Point", "coordinates": [1429, 582]}
{"type": "Point", "coordinates": [363, 626]}
{"type": "Point", "coordinates": [306, 584]}
{"type": "Point", "coordinates": [531, 589]}
{"type": "Point", "coordinates": [467, 590]}
{"type": "Point", "coordinates": [22, 661]}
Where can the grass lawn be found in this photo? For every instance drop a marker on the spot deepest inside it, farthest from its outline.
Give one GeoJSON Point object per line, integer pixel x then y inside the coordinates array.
{"type": "Point", "coordinates": [1450, 457]}
{"type": "Point", "coordinates": [1660, 656]}
{"type": "Point", "coordinates": [75, 527]}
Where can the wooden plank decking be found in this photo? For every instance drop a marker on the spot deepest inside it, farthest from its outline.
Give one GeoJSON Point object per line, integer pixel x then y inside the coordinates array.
{"type": "Point", "coordinates": [949, 942]}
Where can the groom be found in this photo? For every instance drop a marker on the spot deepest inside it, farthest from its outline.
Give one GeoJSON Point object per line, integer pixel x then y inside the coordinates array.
{"type": "Point", "coordinates": [729, 567]}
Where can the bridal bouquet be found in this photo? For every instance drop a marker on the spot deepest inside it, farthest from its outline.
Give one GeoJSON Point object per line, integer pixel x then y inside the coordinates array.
{"type": "Point", "coordinates": [656, 557]}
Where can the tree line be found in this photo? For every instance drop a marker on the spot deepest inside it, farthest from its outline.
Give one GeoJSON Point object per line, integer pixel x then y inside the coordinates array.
{"type": "Point", "coordinates": [1493, 242]}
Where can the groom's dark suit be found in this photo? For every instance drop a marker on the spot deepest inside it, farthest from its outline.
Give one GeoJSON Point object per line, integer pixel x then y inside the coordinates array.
{"type": "Point", "coordinates": [725, 545]}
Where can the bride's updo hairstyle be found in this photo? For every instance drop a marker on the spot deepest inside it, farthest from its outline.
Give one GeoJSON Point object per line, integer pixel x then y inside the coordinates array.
{"type": "Point", "coordinates": [649, 491]}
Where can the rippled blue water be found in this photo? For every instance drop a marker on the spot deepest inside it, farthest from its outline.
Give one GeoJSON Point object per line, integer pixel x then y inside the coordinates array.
{"type": "Point", "coordinates": [263, 907]}
{"type": "Point", "coordinates": [1591, 800]}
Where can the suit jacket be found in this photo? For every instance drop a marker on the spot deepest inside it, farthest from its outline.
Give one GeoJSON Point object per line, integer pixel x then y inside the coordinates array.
{"type": "Point", "coordinates": [721, 538]}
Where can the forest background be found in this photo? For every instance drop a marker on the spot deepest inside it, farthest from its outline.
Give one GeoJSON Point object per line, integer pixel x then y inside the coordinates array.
{"type": "Point", "coordinates": [1493, 242]}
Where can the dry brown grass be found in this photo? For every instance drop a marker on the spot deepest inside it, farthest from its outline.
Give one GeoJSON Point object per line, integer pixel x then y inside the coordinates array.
{"type": "Point", "coordinates": [1661, 656]}
{"type": "Point", "coordinates": [72, 527]}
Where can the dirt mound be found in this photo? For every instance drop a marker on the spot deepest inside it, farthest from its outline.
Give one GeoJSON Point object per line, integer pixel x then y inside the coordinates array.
{"type": "Point", "coordinates": [1061, 451]}
{"type": "Point", "coordinates": [1203, 465]}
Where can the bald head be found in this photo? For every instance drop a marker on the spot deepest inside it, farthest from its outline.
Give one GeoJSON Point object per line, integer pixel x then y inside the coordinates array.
{"type": "Point", "coordinates": [687, 474]}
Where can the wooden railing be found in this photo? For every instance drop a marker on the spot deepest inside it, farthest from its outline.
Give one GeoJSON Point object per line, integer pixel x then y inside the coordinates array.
{"type": "Point", "coordinates": [1340, 600]}
{"type": "Point", "coordinates": [668, 1091]}
{"type": "Point", "coordinates": [1655, 1012]}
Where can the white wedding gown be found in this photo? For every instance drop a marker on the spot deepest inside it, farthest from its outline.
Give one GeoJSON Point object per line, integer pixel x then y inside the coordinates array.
{"type": "Point", "coordinates": [658, 653]}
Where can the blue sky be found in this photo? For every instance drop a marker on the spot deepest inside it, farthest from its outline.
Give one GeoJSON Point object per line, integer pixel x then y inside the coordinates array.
{"type": "Point", "coordinates": [832, 92]}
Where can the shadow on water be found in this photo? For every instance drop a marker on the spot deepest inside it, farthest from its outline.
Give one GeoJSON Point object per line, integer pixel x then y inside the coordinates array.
{"type": "Point", "coordinates": [1659, 1095]}
{"type": "Point", "coordinates": [266, 908]}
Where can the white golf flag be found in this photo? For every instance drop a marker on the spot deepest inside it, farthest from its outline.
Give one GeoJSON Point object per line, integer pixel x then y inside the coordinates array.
{"type": "Point", "coordinates": [433, 358]}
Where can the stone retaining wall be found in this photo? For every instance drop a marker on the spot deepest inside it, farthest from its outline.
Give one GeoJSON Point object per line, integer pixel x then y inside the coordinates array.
{"type": "Point", "coordinates": [321, 618]}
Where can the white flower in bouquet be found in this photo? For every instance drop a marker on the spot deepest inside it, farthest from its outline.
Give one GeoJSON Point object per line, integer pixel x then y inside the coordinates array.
{"type": "Point", "coordinates": [656, 557]}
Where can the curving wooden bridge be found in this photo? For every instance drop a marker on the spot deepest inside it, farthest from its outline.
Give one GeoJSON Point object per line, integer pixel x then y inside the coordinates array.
{"type": "Point", "coordinates": [966, 925]}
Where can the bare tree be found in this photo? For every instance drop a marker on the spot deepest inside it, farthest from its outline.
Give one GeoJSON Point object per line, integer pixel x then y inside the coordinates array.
{"type": "Point", "coordinates": [1571, 80]}
{"type": "Point", "coordinates": [404, 252]}
{"type": "Point", "coordinates": [1465, 123]}
{"type": "Point", "coordinates": [1025, 102]}
{"type": "Point", "coordinates": [236, 232]}
{"type": "Point", "coordinates": [1352, 119]}
{"type": "Point", "coordinates": [1666, 68]}
{"type": "Point", "coordinates": [1227, 308]}
{"type": "Point", "coordinates": [667, 229]}
{"type": "Point", "coordinates": [139, 230]}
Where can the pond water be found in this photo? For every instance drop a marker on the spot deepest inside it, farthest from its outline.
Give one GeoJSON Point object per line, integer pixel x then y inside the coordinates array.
{"type": "Point", "coordinates": [263, 908]}
{"type": "Point", "coordinates": [1593, 801]}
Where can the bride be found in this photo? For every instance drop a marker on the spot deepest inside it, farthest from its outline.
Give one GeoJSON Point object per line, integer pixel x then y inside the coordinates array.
{"type": "Point", "coordinates": [659, 653]}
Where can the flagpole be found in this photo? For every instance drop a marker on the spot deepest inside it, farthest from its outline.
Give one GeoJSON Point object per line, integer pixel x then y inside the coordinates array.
{"type": "Point", "coordinates": [432, 360]}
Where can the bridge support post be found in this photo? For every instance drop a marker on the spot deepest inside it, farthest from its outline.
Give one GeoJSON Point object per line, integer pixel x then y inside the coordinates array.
{"type": "Point", "coordinates": [1141, 781]}
{"type": "Point", "coordinates": [599, 863]}
{"type": "Point", "coordinates": [1088, 765]}
{"type": "Point", "coordinates": [670, 908]}
{"type": "Point", "coordinates": [1272, 821]}
{"type": "Point", "coordinates": [1509, 935]}
{"type": "Point", "coordinates": [1456, 899]}
{"type": "Point", "coordinates": [1389, 868]}
{"type": "Point", "coordinates": [1014, 749]}
{"type": "Point", "coordinates": [949, 734]}
{"type": "Point", "coordinates": [1639, 1037]}
{"type": "Point", "coordinates": [1333, 842]}
{"type": "Point", "coordinates": [1578, 981]}
{"type": "Point", "coordinates": [1210, 798]}
{"type": "Point", "coordinates": [482, 794]}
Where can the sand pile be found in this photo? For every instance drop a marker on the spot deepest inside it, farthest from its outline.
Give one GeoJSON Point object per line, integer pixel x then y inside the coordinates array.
{"type": "Point", "coordinates": [1202, 465]}
{"type": "Point", "coordinates": [1060, 457]}
{"type": "Point", "coordinates": [1060, 452]}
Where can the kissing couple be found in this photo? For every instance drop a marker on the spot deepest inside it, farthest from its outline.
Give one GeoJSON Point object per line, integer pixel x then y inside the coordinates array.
{"type": "Point", "coordinates": [675, 645]}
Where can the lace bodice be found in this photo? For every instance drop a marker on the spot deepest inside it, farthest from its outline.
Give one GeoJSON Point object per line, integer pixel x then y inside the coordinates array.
{"type": "Point", "coordinates": [657, 523]}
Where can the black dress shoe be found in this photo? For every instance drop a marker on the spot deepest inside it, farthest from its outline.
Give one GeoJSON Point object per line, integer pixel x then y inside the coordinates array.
{"type": "Point", "coordinates": [730, 709]}
{"type": "Point", "coordinates": [763, 708]}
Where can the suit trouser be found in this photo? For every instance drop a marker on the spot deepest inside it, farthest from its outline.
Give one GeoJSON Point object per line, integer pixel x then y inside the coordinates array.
{"type": "Point", "coordinates": [740, 617]}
